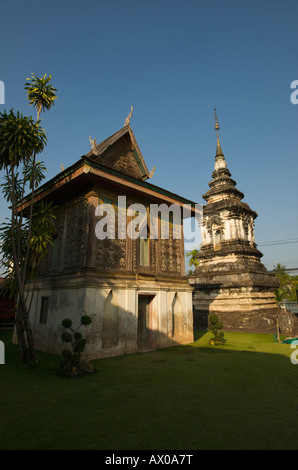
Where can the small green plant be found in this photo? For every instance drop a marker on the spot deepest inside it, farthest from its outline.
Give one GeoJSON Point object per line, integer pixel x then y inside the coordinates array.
{"type": "Point", "coordinates": [34, 364]}
{"type": "Point", "coordinates": [71, 364]}
{"type": "Point", "coordinates": [215, 325]}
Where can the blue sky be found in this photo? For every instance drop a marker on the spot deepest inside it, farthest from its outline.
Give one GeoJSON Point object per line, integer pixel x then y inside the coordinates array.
{"type": "Point", "coordinates": [173, 61]}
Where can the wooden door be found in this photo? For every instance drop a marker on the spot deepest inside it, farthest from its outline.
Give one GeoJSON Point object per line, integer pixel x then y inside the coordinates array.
{"type": "Point", "coordinates": [144, 321]}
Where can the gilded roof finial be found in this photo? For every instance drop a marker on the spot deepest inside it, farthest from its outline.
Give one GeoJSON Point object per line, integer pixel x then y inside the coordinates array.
{"type": "Point", "coordinates": [218, 147]}
{"type": "Point", "coordinates": [127, 120]}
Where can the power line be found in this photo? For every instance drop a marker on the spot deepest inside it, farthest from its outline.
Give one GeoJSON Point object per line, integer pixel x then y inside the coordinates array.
{"type": "Point", "coordinates": [282, 240]}
{"type": "Point", "coordinates": [277, 242]}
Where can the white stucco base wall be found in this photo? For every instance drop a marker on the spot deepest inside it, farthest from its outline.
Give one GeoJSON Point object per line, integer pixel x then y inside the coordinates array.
{"type": "Point", "coordinates": [114, 310]}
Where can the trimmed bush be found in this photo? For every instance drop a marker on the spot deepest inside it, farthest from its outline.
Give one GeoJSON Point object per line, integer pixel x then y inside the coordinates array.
{"type": "Point", "coordinates": [215, 325]}
{"type": "Point", "coordinates": [67, 323]}
{"type": "Point", "coordinates": [71, 364]}
{"type": "Point", "coordinates": [86, 320]}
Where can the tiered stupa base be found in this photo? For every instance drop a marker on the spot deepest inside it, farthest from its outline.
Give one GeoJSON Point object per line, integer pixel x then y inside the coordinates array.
{"type": "Point", "coordinates": [241, 300]}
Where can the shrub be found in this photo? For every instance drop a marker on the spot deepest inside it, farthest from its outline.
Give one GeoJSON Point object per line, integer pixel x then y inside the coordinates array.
{"type": "Point", "coordinates": [215, 325]}
{"type": "Point", "coordinates": [71, 364]}
{"type": "Point", "coordinates": [86, 320]}
{"type": "Point", "coordinates": [66, 337]}
{"type": "Point", "coordinates": [67, 323]}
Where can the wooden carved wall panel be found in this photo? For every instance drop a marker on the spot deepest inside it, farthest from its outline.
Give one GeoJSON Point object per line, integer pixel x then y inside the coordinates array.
{"type": "Point", "coordinates": [60, 230]}
{"type": "Point", "coordinates": [170, 257]}
{"type": "Point", "coordinates": [76, 235]}
{"type": "Point", "coordinates": [153, 255]}
{"type": "Point", "coordinates": [51, 262]}
{"type": "Point", "coordinates": [111, 253]}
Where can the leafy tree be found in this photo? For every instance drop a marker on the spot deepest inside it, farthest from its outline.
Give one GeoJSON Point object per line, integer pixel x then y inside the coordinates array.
{"type": "Point", "coordinates": [288, 284]}
{"type": "Point", "coordinates": [21, 140]}
{"type": "Point", "coordinates": [43, 229]}
{"type": "Point", "coordinates": [193, 261]}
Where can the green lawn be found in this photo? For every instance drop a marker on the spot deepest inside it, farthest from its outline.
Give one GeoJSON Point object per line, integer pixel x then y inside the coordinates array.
{"type": "Point", "coordinates": [239, 396]}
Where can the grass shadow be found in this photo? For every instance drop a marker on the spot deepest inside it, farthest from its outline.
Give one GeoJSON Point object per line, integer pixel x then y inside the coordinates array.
{"type": "Point", "coordinates": [198, 334]}
{"type": "Point", "coordinates": [183, 397]}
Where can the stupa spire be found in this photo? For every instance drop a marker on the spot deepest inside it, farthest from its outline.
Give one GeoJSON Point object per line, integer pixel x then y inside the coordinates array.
{"type": "Point", "coordinates": [218, 147]}
{"type": "Point", "coordinates": [219, 157]}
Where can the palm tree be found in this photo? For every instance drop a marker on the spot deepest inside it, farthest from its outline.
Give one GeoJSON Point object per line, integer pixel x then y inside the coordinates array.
{"type": "Point", "coordinates": [40, 93]}
{"type": "Point", "coordinates": [21, 139]}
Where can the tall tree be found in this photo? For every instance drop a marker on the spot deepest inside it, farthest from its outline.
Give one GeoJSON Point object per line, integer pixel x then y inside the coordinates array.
{"type": "Point", "coordinates": [40, 93]}
{"type": "Point", "coordinates": [21, 140]}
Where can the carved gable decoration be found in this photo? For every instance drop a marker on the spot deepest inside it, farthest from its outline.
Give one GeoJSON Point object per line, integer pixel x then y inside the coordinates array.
{"type": "Point", "coordinates": [121, 157]}
{"type": "Point", "coordinates": [121, 152]}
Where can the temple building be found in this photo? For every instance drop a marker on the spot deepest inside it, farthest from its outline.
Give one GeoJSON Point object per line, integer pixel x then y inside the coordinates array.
{"type": "Point", "coordinates": [230, 280]}
{"type": "Point", "coordinates": [134, 288]}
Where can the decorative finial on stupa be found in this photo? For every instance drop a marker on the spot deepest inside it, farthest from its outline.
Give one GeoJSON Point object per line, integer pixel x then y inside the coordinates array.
{"type": "Point", "coordinates": [218, 147]}
{"type": "Point", "coordinates": [216, 121]}
{"type": "Point", "coordinates": [219, 157]}
{"type": "Point", "coordinates": [127, 120]}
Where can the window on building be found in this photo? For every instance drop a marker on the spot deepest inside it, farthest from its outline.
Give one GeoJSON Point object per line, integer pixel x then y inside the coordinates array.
{"type": "Point", "coordinates": [217, 239]}
{"type": "Point", "coordinates": [44, 310]}
{"type": "Point", "coordinates": [144, 250]}
{"type": "Point", "coordinates": [54, 252]}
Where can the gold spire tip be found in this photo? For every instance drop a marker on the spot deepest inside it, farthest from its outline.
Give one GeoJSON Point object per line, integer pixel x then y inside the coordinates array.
{"type": "Point", "coordinates": [216, 121]}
